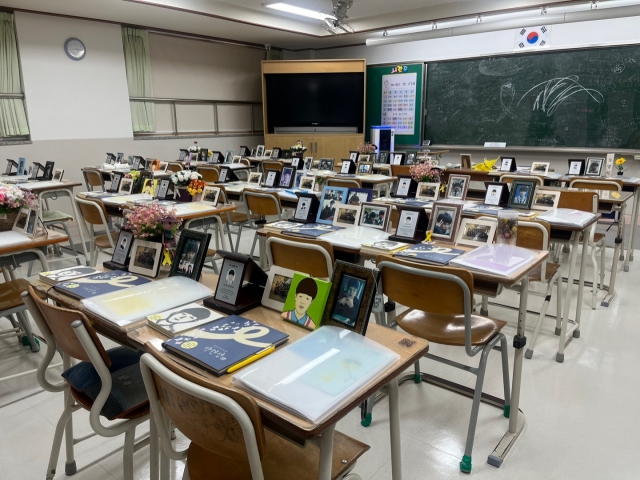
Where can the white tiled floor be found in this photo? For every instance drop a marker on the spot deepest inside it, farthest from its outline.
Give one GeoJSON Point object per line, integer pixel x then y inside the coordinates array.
{"type": "Point", "coordinates": [581, 422]}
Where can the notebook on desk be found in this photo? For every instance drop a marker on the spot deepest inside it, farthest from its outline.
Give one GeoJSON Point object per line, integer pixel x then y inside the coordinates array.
{"type": "Point", "coordinates": [100, 284]}
{"type": "Point", "coordinates": [429, 254]}
{"type": "Point", "coordinates": [311, 230]}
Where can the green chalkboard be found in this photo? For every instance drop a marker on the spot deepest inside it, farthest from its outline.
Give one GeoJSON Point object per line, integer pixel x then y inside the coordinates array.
{"type": "Point", "coordinates": [375, 78]}
{"type": "Point", "coordinates": [584, 98]}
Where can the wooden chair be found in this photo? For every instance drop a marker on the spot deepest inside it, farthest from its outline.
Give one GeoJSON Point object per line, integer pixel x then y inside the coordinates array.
{"type": "Point", "coordinates": [344, 182]}
{"type": "Point", "coordinates": [444, 316]}
{"type": "Point", "coordinates": [228, 440]}
{"type": "Point", "coordinates": [233, 219]}
{"type": "Point", "coordinates": [11, 304]}
{"type": "Point", "coordinates": [71, 333]}
{"type": "Point", "coordinates": [272, 165]}
{"type": "Point", "coordinates": [245, 161]}
{"type": "Point", "coordinates": [209, 174]}
{"type": "Point", "coordinates": [400, 170]}
{"type": "Point", "coordinates": [94, 213]}
{"type": "Point", "coordinates": [313, 257]}
{"type": "Point", "coordinates": [93, 179]}
{"type": "Point", "coordinates": [510, 177]}
{"type": "Point", "coordinates": [261, 204]}
{"type": "Point", "coordinates": [174, 167]}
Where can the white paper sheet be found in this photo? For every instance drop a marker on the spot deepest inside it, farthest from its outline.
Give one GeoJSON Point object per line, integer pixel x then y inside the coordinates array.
{"type": "Point", "coordinates": [11, 238]}
{"type": "Point", "coordinates": [499, 259]}
{"type": "Point", "coordinates": [567, 216]}
{"type": "Point", "coordinates": [354, 237]}
{"type": "Point", "coordinates": [38, 185]}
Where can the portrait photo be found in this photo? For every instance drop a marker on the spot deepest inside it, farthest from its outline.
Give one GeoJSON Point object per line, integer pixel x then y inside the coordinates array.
{"type": "Point", "coordinates": [358, 196]}
{"type": "Point", "coordinates": [353, 156]}
{"type": "Point", "coordinates": [271, 178]}
{"type": "Point", "coordinates": [458, 185]}
{"type": "Point", "coordinates": [126, 186]}
{"type": "Point", "coordinates": [186, 262]}
{"type": "Point", "coordinates": [493, 196]}
{"type": "Point", "coordinates": [594, 167]}
{"type": "Point", "coordinates": [298, 178]}
{"type": "Point", "coordinates": [397, 158]}
{"type": "Point", "coordinates": [404, 185]}
{"type": "Point", "coordinates": [365, 168]}
{"type": "Point", "coordinates": [308, 163]}
{"type": "Point", "coordinates": [228, 156]}
{"type": "Point", "coordinates": [277, 287]}
{"type": "Point", "coordinates": [190, 254]}
{"type": "Point", "coordinates": [411, 158]}
{"type": "Point", "coordinates": [522, 193]}
{"type": "Point", "coordinates": [57, 174]}
{"type": "Point", "coordinates": [260, 151]}
{"type": "Point", "coordinates": [145, 256]}
{"type": "Point", "coordinates": [506, 164]}
{"type": "Point", "coordinates": [210, 195]}
{"type": "Point", "coordinates": [444, 220]}
{"type": "Point", "coordinates": [576, 167]}
{"type": "Point", "coordinates": [375, 215]}
{"type": "Point", "coordinates": [286, 178]}
{"type": "Point", "coordinates": [347, 305]}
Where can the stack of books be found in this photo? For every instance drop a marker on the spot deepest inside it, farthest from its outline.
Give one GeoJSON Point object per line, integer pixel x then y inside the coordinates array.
{"type": "Point", "coordinates": [429, 254]}
{"type": "Point", "coordinates": [65, 274]}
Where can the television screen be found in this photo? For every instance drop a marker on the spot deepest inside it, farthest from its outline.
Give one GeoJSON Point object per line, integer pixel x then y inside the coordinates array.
{"type": "Point", "coordinates": [315, 100]}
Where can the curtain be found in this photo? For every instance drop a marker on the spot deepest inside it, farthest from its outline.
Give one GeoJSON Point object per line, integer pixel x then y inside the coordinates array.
{"type": "Point", "coordinates": [138, 64]}
{"type": "Point", "coordinates": [274, 54]}
{"type": "Point", "coordinates": [13, 118]}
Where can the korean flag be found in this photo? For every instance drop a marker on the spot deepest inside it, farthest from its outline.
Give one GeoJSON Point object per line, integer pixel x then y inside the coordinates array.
{"type": "Point", "coordinates": [533, 37]}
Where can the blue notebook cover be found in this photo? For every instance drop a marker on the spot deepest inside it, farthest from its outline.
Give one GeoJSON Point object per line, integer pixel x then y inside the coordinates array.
{"type": "Point", "coordinates": [426, 253]}
{"type": "Point", "coordinates": [219, 345]}
{"type": "Point", "coordinates": [100, 283]}
{"type": "Point", "coordinates": [311, 230]}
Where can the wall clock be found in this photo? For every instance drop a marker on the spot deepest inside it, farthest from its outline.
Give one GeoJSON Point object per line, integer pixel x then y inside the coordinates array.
{"type": "Point", "coordinates": [75, 49]}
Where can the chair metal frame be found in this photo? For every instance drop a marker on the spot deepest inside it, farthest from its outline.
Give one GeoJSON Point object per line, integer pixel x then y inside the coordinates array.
{"type": "Point", "coordinates": [258, 223]}
{"type": "Point", "coordinates": [471, 351]}
{"type": "Point", "coordinates": [92, 171]}
{"type": "Point", "coordinates": [95, 249]}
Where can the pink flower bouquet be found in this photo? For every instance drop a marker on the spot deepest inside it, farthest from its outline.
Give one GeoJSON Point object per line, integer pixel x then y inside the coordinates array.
{"type": "Point", "coordinates": [13, 198]}
{"type": "Point", "coordinates": [147, 220]}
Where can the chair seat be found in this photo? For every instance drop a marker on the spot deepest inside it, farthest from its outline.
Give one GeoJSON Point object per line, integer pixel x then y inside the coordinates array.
{"type": "Point", "coordinates": [102, 241]}
{"type": "Point", "coordinates": [596, 237]}
{"type": "Point", "coordinates": [55, 216]}
{"type": "Point", "coordinates": [10, 293]}
{"type": "Point", "coordinates": [536, 274]}
{"type": "Point", "coordinates": [238, 217]}
{"type": "Point", "coordinates": [448, 329]}
{"type": "Point", "coordinates": [87, 403]}
{"type": "Point", "coordinates": [210, 252]}
{"type": "Point", "coordinates": [283, 461]}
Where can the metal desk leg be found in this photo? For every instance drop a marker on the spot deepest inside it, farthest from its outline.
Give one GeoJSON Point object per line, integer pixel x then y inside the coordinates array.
{"type": "Point", "coordinates": [567, 301]}
{"type": "Point", "coordinates": [154, 442]}
{"type": "Point", "coordinates": [516, 416]}
{"type": "Point", "coordinates": [326, 453]}
{"type": "Point", "coordinates": [394, 430]}
{"type": "Point", "coordinates": [632, 233]}
{"type": "Point", "coordinates": [616, 256]}
{"type": "Point", "coordinates": [583, 263]}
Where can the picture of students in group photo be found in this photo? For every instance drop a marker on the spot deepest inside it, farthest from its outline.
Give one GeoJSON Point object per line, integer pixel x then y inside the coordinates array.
{"type": "Point", "coordinates": [331, 200]}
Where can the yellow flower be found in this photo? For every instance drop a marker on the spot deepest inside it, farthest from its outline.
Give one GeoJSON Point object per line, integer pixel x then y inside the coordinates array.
{"type": "Point", "coordinates": [620, 161]}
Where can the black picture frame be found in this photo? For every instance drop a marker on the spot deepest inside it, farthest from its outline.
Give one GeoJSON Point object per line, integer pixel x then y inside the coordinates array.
{"type": "Point", "coordinates": [510, 166]}
{"type": "Point", "coordinates": [580, 163]}
{"type": "Point", "coordinates": [311, 205]}
{"type": "Point", "coordinates": [518, 186]}
{"type": "Point", "coordinates": [48, 170]}
{"type": "Point", "coordinates": [326, 164]}
{"type": "Point", "coordinates": [354, 155]}
{"type": "Point", "coordinates": [146, 257]}
{"type": "Point", "coordinates": [344, 308]}
{"type": "Point", "coordinates": [119, 158]}
{"type": "Point", "coordinates": [216, 156]}
{"type": "Point", "coordinates": [10, 165]}
{"type": "Point", "coordinates": [295, 162]}
{"type": "Point", "coordinates": [135, 165]}
{"type": "Point", "coordinates": [190, 254]}
{"type": "Point", "coordinates": [396, 158]}
{"type": "Point", "coordinates": [111, 159]}
{"type": "Point", "coordinates": [276, 152]}
{"type": "Point", "coordinates": [115, 183]}
{"type": "Point", "coordinates": [503, 194]}
{"type": "Point", "coordinates": [383, 157]}
{"type": "Point", "coordinates": [597, 162]}
{"type": "Point", "coordinates": [203, 155]}
{"type": "Point", "coordinates": [410, 158]}
{"type": "Point", "coordinates": [272, 180]}
{"type": "Point", "coordinates": [402, 191]}
{"type": "Point", "coordinates": [139, 163]}
{"type": "Point", "coordinates": [184, 153]}
{"type": "Point", "coordinates": [163, 189]}
{"type": "Point", "coordinates": [287, 177]}
{"type": "Point", "coordinates": [144, 175]}
{"type": "Point", "coordinates": [348, 166]}
{"type": "Point", "coordinates": [418, 228]}
{"type": "Point", "coordinates": [35, 173]}
{"type": "Point", "coordinates": [244, 151]}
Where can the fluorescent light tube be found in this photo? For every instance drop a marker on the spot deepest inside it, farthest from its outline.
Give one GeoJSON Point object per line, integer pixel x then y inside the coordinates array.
{"type": "Point", "coordinates": [304, 12]}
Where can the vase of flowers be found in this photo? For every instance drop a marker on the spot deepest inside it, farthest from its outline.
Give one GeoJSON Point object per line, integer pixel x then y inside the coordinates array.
{"type": "Point", "coordinates": [425, 172]}
{"type": "Point", "coordinates": [148, 221]}
{"type": "Point", "coordinates": [367, 148]}
{"type": "Point", "coordinates": [12, 199]}
{"type": "Point", "coordinates": [298, 149]}
{"type": "Point", "coordinates": [195, 189]}
{"type": "Point", "coordinates": [181, 181]}
{"type": "Point", "coordinates": [620, 165]}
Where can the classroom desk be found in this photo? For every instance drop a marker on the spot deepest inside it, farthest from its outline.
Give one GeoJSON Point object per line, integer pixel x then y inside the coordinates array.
{"type": "Point", "coordinates": [277, 419]}
{"type": "Point", "coordinates": [31, 245]}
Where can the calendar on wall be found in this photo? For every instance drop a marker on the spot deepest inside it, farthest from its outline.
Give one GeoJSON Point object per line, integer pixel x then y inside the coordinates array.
{"type": "Point", "coordinates": [399, 102]}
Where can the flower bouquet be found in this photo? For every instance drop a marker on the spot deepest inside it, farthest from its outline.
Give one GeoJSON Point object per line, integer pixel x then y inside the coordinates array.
{"type": "Point", "coordinates": [12, 199]}
{"type": "Point", "coordinates": [194, 148]}
{"type": "Point", "coordinates": [424, 172]}
{"type": "Point", "coordinates": [181, 181]}
{"type": "Point", "coordinates": [367, 148]}
{"type": "Point", "coordinates": [195, 188]}
{"type": "Point", "coordinates": [298, 149]}
{"type": "Point", "coordinates": [148, 221]}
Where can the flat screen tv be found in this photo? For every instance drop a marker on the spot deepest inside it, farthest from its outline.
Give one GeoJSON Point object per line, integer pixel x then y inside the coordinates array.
{"type": "Point", "coordinates": [328, 100]}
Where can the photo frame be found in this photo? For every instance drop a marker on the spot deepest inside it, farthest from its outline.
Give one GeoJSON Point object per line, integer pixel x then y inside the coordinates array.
{"type": "Point", "coordinates": [203, 155]}
{"type": "Point", "coordinates": [163, 167]}
{"type": "Point", "coordinates": [210, 195]}
{"type": "Point", "coordinates": [190, 254]}
{"type": "Point", "coordinates": [276, 152]}
{"type": "Point", "coordinates": [375, 215]}
{"type": "Point", "coordinates": [465, 160]}
{"type": "Point", "coordinates": [540, 168]}
{"type": "Point", "coordinates": [365, 168]}
{"type": "Point", "coordinates": [358, 196]}
{"type": "Point", "coordinates": [163, 189]}
{"type": "Point", "coordinates": [476, 233]}
{"type": "Point", "coordinates": [145, 257]}
{"type": "Point", "coordinates": [119, 158]}
{"type": "Point", "coordinates": [307, 208]}
{"type": "Point", "coordinates": [295, 162]}
{"type": "Point", "coordinates": [37, 168]}
{"type": "Point", "coordinates": [255, 178]}
{"type": "Point", "coordinates": [236, 159]}
{"type": "Point", "coordinates": [576, 167]}
{"type": "Point", "coordinates": [412, 225]}
{"type": "Point", "coordinates": [48, 170]}
{"type": "Point", "coordinates": [326, 164]}
{"type": "Point", "coordinates": [307, 163]}
{"type": "Point", "coordinates": [32, 223]}
{"type": "Point", "coordinates": [347, 216]}
{"type": "Point", "coordinates": [308, 182]}
{"type": "Point", "coordinates": [497, 194]}
{"type": "Point", "coordinates": [150, 186]}
{"type": "Point", "coordinates": [410, 158]}
{"type": "Point", "coordinates": [22, 168]}
{"type": "Point", "coordinates": [545, 199]}
{"type": "Point", "coordinates": [428, 191]}
{"type": "Point", "coordinates": [57, 174]}
{"type": "Point", "coordinates": [444, 221]}
{"type": "Point", "coordinates": [364, 157]}
{"type": "Point", "coordinates": [20, 223]}
{"type": "Point", "coordinates": [260, 151]}
{"type": "Point", "coordinates": [507, 164]}
{"type": "Point", "coordinates": [348, 166]}
{"type": "Point", "coordinates": [353, 156]}
{"type": "Point", "coordinates": [266, 154]}
{"type": "Point", "coordinates": [228, 156]}
{"type": "Point", "coordinates": [121, 252]}
{"type": "Point", "coordinates": [353, 290]}
{"type": "Point", "coordinates": [216, 157]}
{"type": "Point", "coordinates": [287, 177]}
{"type": "Point", "coordinates": [116, 178]}
{"type": "Point", "coordinates": [329, 201]}
{"type": "Point", "coordinates": [223, 176]}
{"type": "Point", "coordinates": [182, 157]}
{"type": "Point", "coordinates": [593, 167]}
{"type": "Point", "coordinates": [407, 187]}
{"type": "Point", "coordinates": [457, 187]}
{"type": "Point", "coordinates": [522, 193]}
{"type": "Point", "coordinates": [273, 178]}
{"type": "Point", "coordinates": [244, 151]}
{"type": "Point", "coordinates": [298, 178]}
{"type": "Point", "coordinates": [383, 157]}
{"type": "Point", "coordinates": [277, 287]}
{"type": "Point", "coordinates": [397, 158]}
{"type": "Point", "coordinates": [111, 159]}
{"type": "Point", "coordinates": [126, 186]}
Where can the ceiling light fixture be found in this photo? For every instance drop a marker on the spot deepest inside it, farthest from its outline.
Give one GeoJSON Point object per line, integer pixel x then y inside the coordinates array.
{"type": "Point", "coordinates": [304, 12]}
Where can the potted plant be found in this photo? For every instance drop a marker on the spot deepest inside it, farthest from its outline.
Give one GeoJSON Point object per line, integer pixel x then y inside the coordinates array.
{"type": "Point", "coordinates": [12, 199]}
{"type": "Point", "coordinates": [181, 181]}
{"type": "Point", "coordinates": [148, 221]}
{"type": "Point", "coordinates": [298, 149]}
{"type": "Point", "coordinates": [620, 165]}
{"type": "Point", "coordinates": [195, 189]}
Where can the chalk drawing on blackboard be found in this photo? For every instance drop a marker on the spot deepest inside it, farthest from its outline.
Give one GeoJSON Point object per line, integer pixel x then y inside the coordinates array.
{"type": "Point", "coordinates": [619, 68]}
{"type": "Point", "coordinates": [507, 94]}
{"type": "Point", "coordinates": [558, 90]}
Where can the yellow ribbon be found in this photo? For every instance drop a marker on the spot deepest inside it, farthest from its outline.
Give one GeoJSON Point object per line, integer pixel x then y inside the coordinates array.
{"type": "Point", "coordinates": [241, 336]}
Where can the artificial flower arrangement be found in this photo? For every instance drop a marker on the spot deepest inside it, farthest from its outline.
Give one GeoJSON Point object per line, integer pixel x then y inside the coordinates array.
{"type": "Point", "coordinates": [133, 175]}
{"type": "Point", "coordinates": [298, 147]}
{"type": "Point", "coordinates": [13, 198]}
{"type": "Point", "coordinates": [620, 164]}
{"type": "Point", "coordinates": [184, 177]}
{"type": "Point", "coordinates": [367, 148]}
{"type": "Point", "coordinates": [149, 220]}
{"type": "Point", "coordinates": [195, 187]}
{"type": "Point", "coordinates": [424, 172]}
{"type": "Point", "coordinates": [194, 148]}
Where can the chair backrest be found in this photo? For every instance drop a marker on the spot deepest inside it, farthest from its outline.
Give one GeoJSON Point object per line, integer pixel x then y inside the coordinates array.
{"type": "Point", "coordinates": [245, 161]}
{"type": "Point", "coordinates": [59, 323]}
{"type": "Point", "coordinates": [92, 178]}
{"type": "Point", "coordinates": [584, 201]}
{"type": "Point", "coordinates": [174, 167]}
{"type": "Point", "coordinates": [262, 203]}
{"type": "Point", "coordinates": [92, 211]}
{"type": "Point", "coordinates": [272, 165]}
{"type": "Point", "coordinates": [221, 420]}
{"type": "Point", "coordinates": [344, 182]}
{"type": "Point", "coordinates": [532, 234]}
{"type": "Point", "coordinates": [313, 257]}
{"type": "Point", "coordinates": [209, 174]}
{"type": "Point", "coordinates": [610, 184]}
{"type": "Point", "coordinates": [400, 170]}
{"type": "Point", "coordinates": [510, 177]}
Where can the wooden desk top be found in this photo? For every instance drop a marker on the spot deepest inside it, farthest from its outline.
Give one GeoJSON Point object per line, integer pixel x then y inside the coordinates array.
{"type": "Point", "coordinates": [53, 238]}
{"type": "Point", "coordinates": [274, 417]}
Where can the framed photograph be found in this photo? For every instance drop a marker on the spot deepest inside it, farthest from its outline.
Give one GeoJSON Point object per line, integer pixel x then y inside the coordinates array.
{"type": "Point", "coordinates": [272, 178]}
{"type": "Point", "coordinates": [122, 251]}
{"type": "Point", "coordinates": [48, 170]}
{"type": "Point", "coordinates": [364, 157]}
{"type": "Point", "coordinates": [298, 178]}
{"type": "Point", "coordinates": [522, 193]}
{"type": "Point", "coordinates": [358, 196]}
{"type": "Point", "coordinates": [126, 186]}
{"type": "Point", "coordinates": [507, 164]}
{"type": "Point", "coordinates": [365, 168]}
{"type": "Point", "coordinates": [353, 156]}
{"type": "Point", "coordinates": [594, 167]}
{"type": "Point", "coordinates": [307, 164]}
{"type": "Point", "coordinates": [228, 156]}
{"type": "Point", "coordinates": [428, 191]}
{"type": "Point", "coordinates": [396, 158]}
{"type": "Point", "coordinates": [307, 208]}
{"type": "Point", "coordinates": [275, 153]}
{"type": "Point", "coordinates": [150, 187]}
{"type": "Point", "coordinates": [183, 156]}
{"type": "Point", "coordinates": [245, 151]}
{"type": "Point", "coordinates": [110, 160]}
{"type": "Point", "coordinates": [287, 177]}
{"type": "Point", "coordinates": [260, 151]}
{"type": "Point", "coordinates": [22, 167]}
{"type": "Point", "coordinates": [326, 164]}
{"type": "Point", "coordinates": [351, 298]}
{"type": "Point", "coordinates": [190, 254]}
{"type": "Point", "coordinates": [145, 257]}
{"type": "Point", "coordinates": [346, 216]}
{"type": "Point", "coordinates": [375, 215]}
{"type": "Point", "coordinates": [383, 157]}
{"type": "Point", "coordinates": [163, 189]}
{"type": "Point", "coordinates": [411, 158]}
{"type": "Point", "coordinates": [266, 154]}
{"type": "Point", "coordinates": [255, 178]}
{"type": "Point", "coordinates": [236, 159]}
{"type": "Point", "coordinates": [458, 186]}
{"type": "Point", "coordinates": [465, 160]}
{"type": "Point", "coordinates": [116, 178]}
{"type": "Point", "coordinates": [295, 162]}
{"type": "Point", "coordinates": [497, 194]}
{"type": "Point", "coordinates": [210, 195]}
{"type": "Point", "coordinates": [57, 173]}
{"type": "Point", "coordinates": [545, 199]}
{"type": "Point", "coordinates": [277, 288]}
{"type": "Point", "coordinates": [331, 198]}
{"type": "Point", "coordinates": [216, 157]}
{"type": "Point", "coordinates": [348, 166]}
{"type": "Point", "coordinates": [445, 218]}
{"type": "Point", "coordinates": [576, 167]}
{"type": "Point", "coordinates": [540, 168]}
{"type": "Point", "coordinates": [163, 167]}
{"type": "Point", "coordinates": [407, 223]}
{"type": "Point", "coordinates": [32, 223]}
{"type": "Point", "coordinates": [476, 232]}
{"type": "Point", "coordinates": [204, 153]}
{"type": "Point", "coordinates": [20, 224]}
{"type": "Point", "coordinates": [307, 182]}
